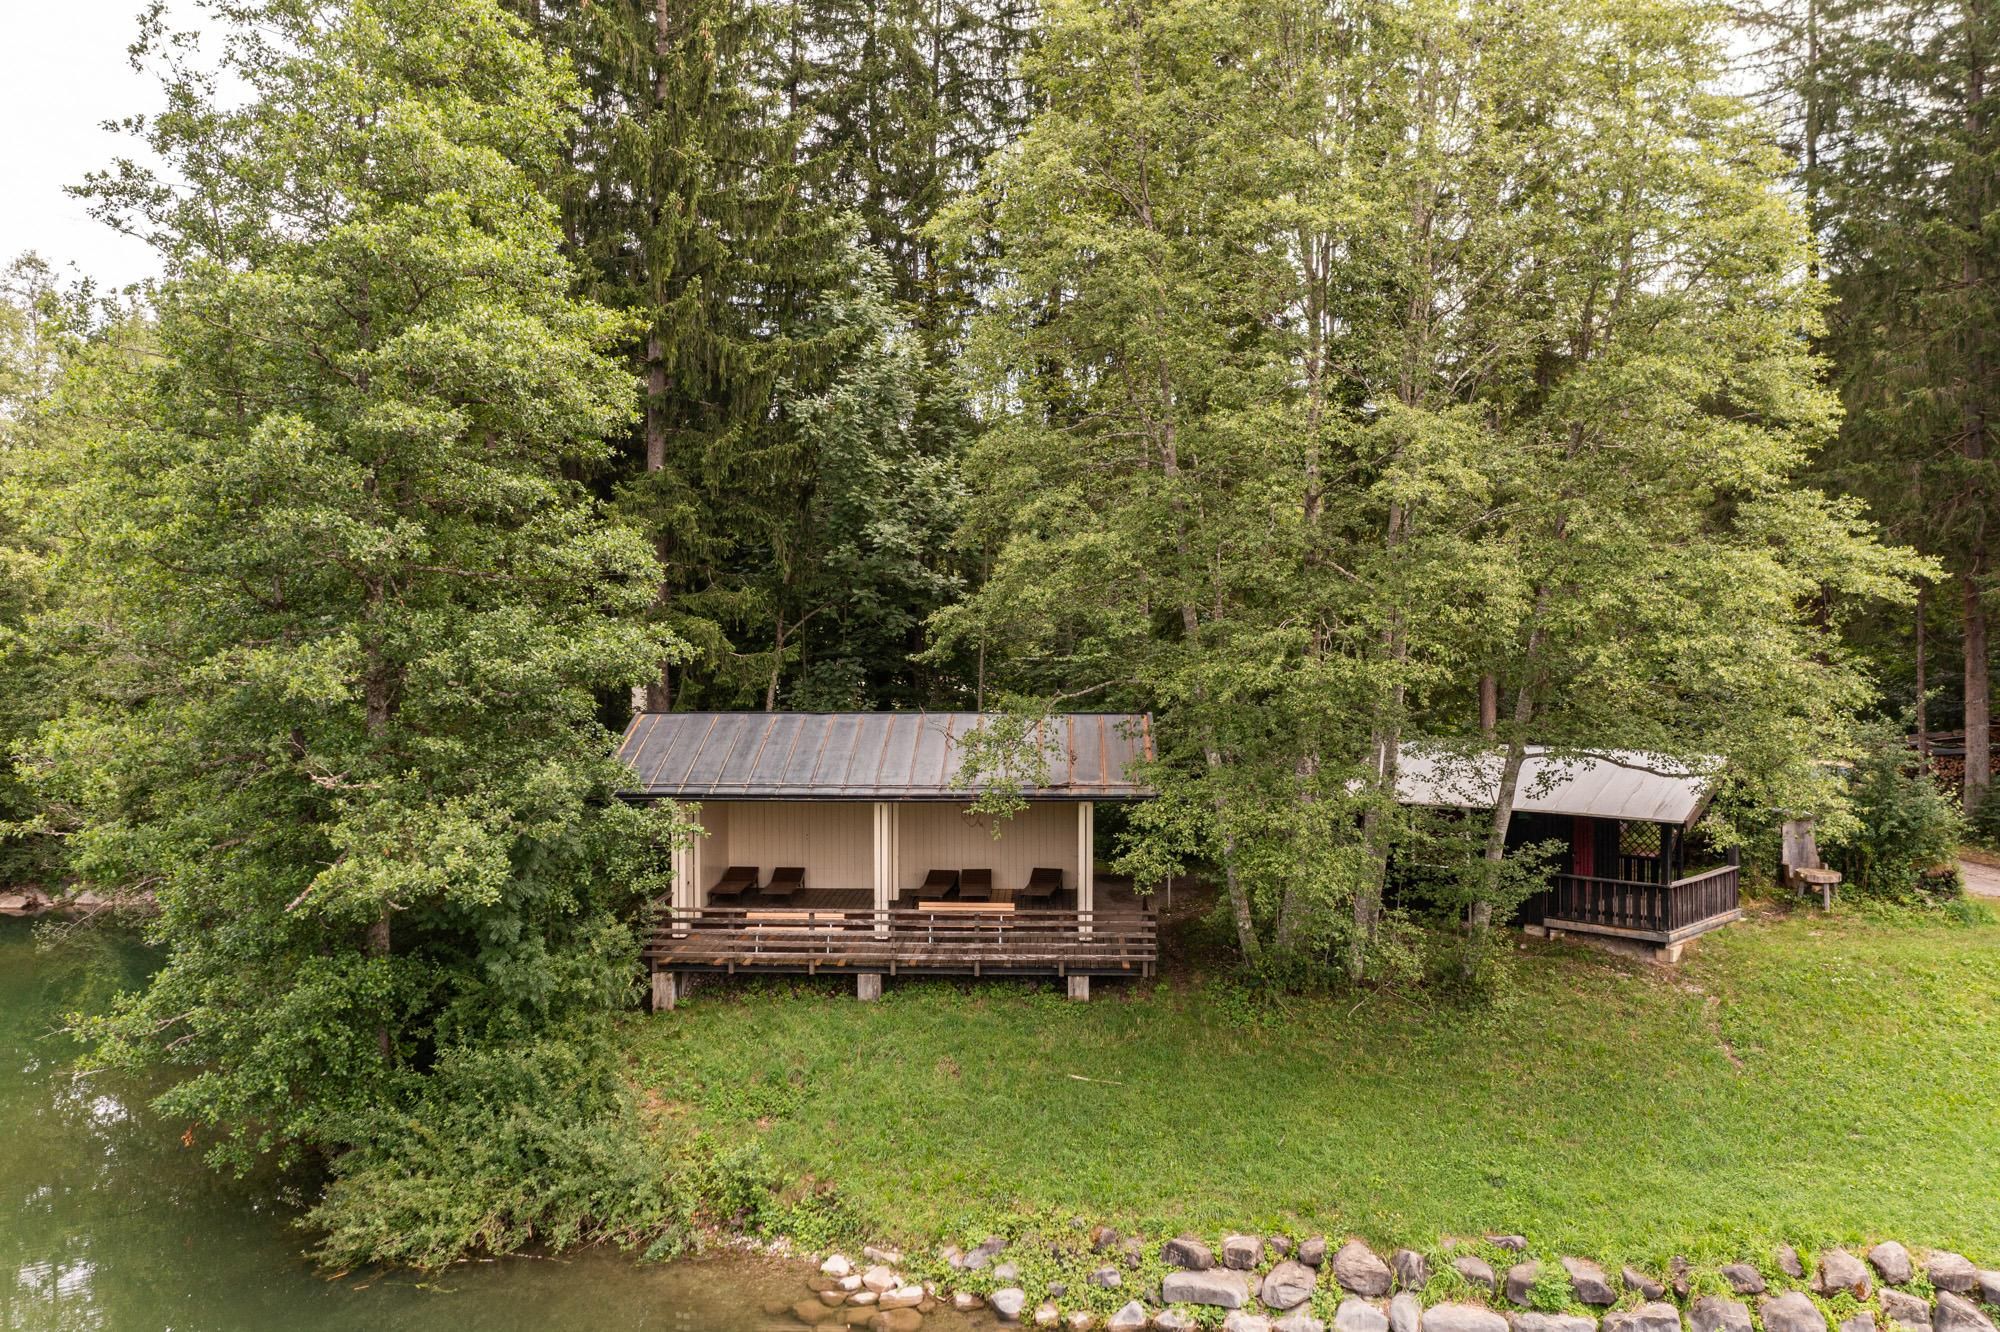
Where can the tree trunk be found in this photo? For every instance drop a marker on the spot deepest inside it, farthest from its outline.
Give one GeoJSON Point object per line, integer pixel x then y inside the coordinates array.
{"type": "Point", "coordinates": [1978, 688]}
{"type": "Point", "coordinates": [1489, 705]}
{"type": "Point", "coordinates": [1923, 687]}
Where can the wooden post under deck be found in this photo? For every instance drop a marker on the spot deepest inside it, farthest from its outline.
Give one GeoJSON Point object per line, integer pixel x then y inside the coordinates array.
{"type": "Point", "coordinates": [666, 991]}
{"type": "Point", "coordinates": [1079, 989]}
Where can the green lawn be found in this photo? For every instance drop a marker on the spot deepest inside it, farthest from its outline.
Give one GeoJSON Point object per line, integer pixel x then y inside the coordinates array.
{"type": "Point", "coordinates": [1803, 1078]}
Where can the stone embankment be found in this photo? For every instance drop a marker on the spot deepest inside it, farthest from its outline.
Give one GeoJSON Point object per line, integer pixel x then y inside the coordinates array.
{"type": "Point", "coordinates": [1268, 1283]}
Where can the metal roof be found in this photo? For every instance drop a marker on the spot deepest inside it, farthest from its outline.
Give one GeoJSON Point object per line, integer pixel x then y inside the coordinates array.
{"type": "Point", "coordinates": [867, 755]}
{"type": "Point", "coordinates": [1608, 784]}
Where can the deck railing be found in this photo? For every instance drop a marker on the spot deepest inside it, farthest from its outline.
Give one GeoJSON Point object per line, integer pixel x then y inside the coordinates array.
{"type": "Point", "coordinates": [1649, 908]}
{"type": "Point", "coordinates": [1038, 942]}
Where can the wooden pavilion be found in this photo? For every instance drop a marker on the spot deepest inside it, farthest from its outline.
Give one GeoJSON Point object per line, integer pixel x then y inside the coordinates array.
{"type": "Point", "coordinates": [1634, 865]}
{"type": "Point", "coordinates": [848, 843]}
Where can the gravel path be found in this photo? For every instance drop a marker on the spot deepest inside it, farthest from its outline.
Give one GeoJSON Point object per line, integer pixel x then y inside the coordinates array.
{"type": "Point", "coordinates": [1980, 880]}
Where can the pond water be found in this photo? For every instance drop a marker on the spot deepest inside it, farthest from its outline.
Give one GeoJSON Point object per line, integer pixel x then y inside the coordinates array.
{"type": "Point", "coordinates": [106, 1221]}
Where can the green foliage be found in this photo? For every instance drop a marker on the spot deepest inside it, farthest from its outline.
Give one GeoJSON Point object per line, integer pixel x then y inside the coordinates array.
{"type": "Point", "coordinates": [334, 614]}
{"type": "Point", "coordinates": [1904, 824]}
{"type": "Point", "coordinates": [496, 1149]}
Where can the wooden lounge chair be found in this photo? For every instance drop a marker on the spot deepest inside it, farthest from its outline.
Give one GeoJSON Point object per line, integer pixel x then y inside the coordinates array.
{"type": "Point", "coordinates": [976, 885]}
{"type": "Point", "coordinates": [785, 880]}
{"type": "Point", "coordinates": [1043, 885]}
{"type": "Point", "coordinates": [736, 881]}
{"type": "Point", "coordinates": [938, 885]}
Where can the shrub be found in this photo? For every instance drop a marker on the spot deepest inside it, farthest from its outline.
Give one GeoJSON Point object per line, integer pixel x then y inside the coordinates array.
{"type": "Point", "coordinates": [1903, 822]}
{"type": "Point", "coordinates": [535, 1143]}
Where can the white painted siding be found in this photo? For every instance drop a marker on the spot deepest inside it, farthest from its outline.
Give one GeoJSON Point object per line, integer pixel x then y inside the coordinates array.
{"type": "Point", "coordinates": [938, 836]}
{"type": "Point", "coordinates": [833, 840]}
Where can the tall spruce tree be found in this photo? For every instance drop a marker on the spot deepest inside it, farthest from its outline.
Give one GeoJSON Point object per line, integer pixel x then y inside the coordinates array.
{"type": "Point", "coordinates": [1900, 145]}
{"type": "Point", "coordinates": [336, 616]}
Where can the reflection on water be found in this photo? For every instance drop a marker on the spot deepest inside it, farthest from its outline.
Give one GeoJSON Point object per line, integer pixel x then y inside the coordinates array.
{"type": "Point", "coordinates": [107, 1221]}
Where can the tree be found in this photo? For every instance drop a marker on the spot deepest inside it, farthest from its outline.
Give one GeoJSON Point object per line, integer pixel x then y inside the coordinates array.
{"type": "Point", "coordinates": [334, 609]}
{"type": "Point", "coordinates": [1899, 160]}
{"type": "Point", "coordinates": [1349, 357]}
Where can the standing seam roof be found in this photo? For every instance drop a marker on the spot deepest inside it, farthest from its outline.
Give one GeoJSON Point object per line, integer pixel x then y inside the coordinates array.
{"type": "Point", "coordinates": [869, 755]}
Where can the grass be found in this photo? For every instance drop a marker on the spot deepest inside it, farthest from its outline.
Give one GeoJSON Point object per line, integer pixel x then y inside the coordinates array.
{"type": "Point", "coordinates": [1800, 1077]}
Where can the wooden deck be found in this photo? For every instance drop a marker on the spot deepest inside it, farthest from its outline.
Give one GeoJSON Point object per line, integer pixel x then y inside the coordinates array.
{"type": "Point", "coordinates": [1661, 913]}
{"type": "Point", "coordinates": [834, 930]}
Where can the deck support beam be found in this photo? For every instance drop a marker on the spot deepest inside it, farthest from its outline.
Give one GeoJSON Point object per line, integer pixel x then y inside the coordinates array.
{"type": "Point", "coordinates": [868, 986]}
{"type": "Point", "coordinates": [1079, 989]}
{"type": "Point", "coordinates": [666, 991]}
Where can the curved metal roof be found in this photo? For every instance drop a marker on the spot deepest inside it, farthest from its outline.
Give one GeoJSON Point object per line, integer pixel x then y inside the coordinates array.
{"type": "Point", "coordinates": [1608, 784]}
{"type": "Point", "coordinates": [868, 755]}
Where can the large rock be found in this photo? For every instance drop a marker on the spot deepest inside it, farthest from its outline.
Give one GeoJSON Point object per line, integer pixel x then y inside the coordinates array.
{"type": "Point", "coordinates": [1521, 1278]}
{"type": "Point", "coordinates": [1589, 1284]}
{"type": "Point", "coordinates": [1288, 1285]}
{"type": "Point", "coordinates": [1356, 1268]}
{"type": "Point", "coordinates": [1188, 1253]}
{"type": "Point", "coordinates": [1955, 1313]}
{"type": "Point", "coordinates": [836, 1265]}
{"type": "Point", "coordinates": [1712, 1313]}
{"type": "Point", "coordinates": [1173, 1320]}
{"type": "Point", "coordinates": [1412, 1269]}
{"type": "Point", "coordinates": [1640, 1284]}
{"type": "Point", "coordinates": [1475, 1270]}
{"type": "Point", "coordinates": [965, 1301]}
{"type": "Point", "coordinates": [1840, 1270]}
{"type": "Point", "coordinates": [1462, 1318]}
{"type": "Point", "coordinates": [1650, 1317]}
{"type": "Point", "coordinates": [1106, 1278]}
{"type": "Point", "coordinates": [1131, 1318]}
{"type": "Point", "coordinates": [1906, 1309]}
{"type": "Point", "coordinates": [1007, 1302]}
{"type": "Point", "coordinates": [1102, 1238]}
{"type": "Point", "coordinates": [1245, 1253]}
{"type": "Point", "coordinates": [1989, 1286]}
{"type": "Point", "coordinates": [1242, 1321]}
{"type": "Point", "coordinates": [1280, 1245]}
{"type": "Point", "coordinates": [896, 1320]}
{"type": "Point", "coordinates": [1792, 1311]}
{"type": "Point", "coordinates": [1007, 1273]}
{"type": "Point", "coordinates": [1298, 1321]}
{"type": "Point", "coordinates": [1359, 1316]}
{"type": "Point", "coordinates": [1312, 1252]}
{"type": "Point", "coordinates": [1789, 1262]}
{"type": "Point", "coordinates": [903, 1297]}
{"type": "Point", "coordinates": [1047, 1315]}
{"type": "Point", "coordinates": [1863, 1320]}
{"type": "Point", "coordinates": [1080, 1321]}
{"type": "Point", "coordinates": [811, 1312]}
{"type": "Point", "coordinates": [1892, 1262]}
{"type": "Point", "coordinates": [1220, 1287]}
{"type": "Point", "coordinates": [1950, 1271]}
{"type": "Point", "coordinates": [983, 1255]}
{"type": "Point", "coordinates": [1548, 1322]}
{"type": "Point", "coordinates": [1406, 1313]}
{"type": "Point", "coordinates": [1743, 1278]}
{"type": "Point", "coordinates": [1512, 1243]}
{"type": "Point", "coordinates": [879, 1278]}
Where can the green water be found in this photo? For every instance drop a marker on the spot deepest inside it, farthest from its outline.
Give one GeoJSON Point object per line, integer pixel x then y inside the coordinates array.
{"type": "Point", "coordinates": [106, 1221]}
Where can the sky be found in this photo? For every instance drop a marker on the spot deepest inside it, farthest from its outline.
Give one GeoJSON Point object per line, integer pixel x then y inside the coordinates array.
{"type": "Point", "coordinates": [63, 70]}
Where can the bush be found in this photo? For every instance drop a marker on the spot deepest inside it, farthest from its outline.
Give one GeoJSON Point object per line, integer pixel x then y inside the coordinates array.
{"type": "Point", "coordinates": [1904, 823]}
{"type": "Point", "coordinates": [535, 1143]}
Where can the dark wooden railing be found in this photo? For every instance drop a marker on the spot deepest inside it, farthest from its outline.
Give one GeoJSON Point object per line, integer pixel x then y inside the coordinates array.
{"type": "Point", "coordinates": [1650, 908]}
{"type": "Point", "coordinates": [1048, 943]}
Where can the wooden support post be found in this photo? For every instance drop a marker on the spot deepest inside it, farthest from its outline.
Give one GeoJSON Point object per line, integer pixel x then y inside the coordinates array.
{"type": "Point", "coordinates": [884, 838]}
{"type": "Point", "coordinates": [868, 986]}
{"type": "Point", "coordinates": [1086, 866]}
{"type": "Point", "coordinates": [666, 991]}
{"type": "Point", "coordinates": [1079, 989]}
